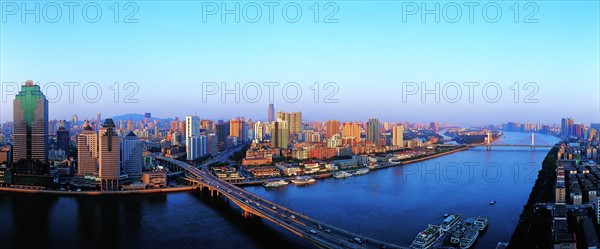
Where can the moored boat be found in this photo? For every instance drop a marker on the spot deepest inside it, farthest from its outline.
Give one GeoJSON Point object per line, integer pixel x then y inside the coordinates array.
{"type": "Point", "coordinates": [426, 238]}
{"type": "Point", "coordinates": [469, 237]}
{"type": "Point", "coordinates": [301, 180]}
{"type": "Point", "coordinates": [341, 174]}
{"type": "Point", "coordinates": [361, 171]}
{"type": "Point", "coordinates": [275, 184]}
{"type": "Point", "coordinates": [449, 222]}
{"type": "Point", "coordinates": [481, 223]}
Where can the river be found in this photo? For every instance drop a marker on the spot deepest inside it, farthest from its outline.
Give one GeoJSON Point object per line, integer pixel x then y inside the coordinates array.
{"type": "Point", "coordinates": [391, 204]}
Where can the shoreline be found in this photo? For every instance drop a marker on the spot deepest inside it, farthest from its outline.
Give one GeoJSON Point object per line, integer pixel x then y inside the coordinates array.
{"type": "Point", "coordinates": [433, 156]}
{"type": "Point", "coordinates": [96, 193]}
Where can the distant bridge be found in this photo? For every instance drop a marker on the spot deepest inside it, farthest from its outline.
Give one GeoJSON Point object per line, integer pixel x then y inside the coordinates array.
{"type": "Point", "coordinates": [318, 233]}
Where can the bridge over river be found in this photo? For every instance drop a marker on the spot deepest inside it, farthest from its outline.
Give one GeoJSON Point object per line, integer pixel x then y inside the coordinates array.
{"type": "Point", "coordinates": [318, 233]}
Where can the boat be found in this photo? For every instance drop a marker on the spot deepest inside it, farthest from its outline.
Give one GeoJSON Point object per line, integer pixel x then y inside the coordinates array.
{"type": "Point", "coordinates": [446, 215]}
{"type": "Point", "coordinates": [481, 223]}
{"type": "Point", "coordinates": [275, 184]}
{"type": "Point", "coordinates": [301, 180]}
{"type": "Point", "coordinates": [469, 237]}
{"type": "Point", "coordinates": [457, 234]}
{"type": "Point", "coordinates": [361, 172]}
{"type": "Point", "coordinates": [341, 174]}
{"type": "Point", "coordinates": [449, 222]}
{"type": "Point", "coordinates": [427, 238]}
{"type": "Point", "coordinates": [492, 202]}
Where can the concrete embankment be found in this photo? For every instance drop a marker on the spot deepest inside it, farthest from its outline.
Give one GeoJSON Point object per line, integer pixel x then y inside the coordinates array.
{"type": "Point", "coordinates": [96, 193]}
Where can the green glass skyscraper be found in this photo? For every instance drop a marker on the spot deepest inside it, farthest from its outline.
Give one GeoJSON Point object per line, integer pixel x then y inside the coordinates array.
{"type": "Point", "coordinates": [30, 115]}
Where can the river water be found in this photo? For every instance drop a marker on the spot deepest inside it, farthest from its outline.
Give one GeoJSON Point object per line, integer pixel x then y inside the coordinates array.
{"type": "Point", "coordinates": [392, 204]}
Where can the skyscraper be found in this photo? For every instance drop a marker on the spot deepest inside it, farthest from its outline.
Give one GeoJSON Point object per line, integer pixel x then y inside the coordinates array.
{"type": "Point", "coordinates": [87, 151]}
{"type": "Point", "coordinates": [280, 134]}
{"type": "Point", "coordinates": [192, 129]}
{"type": "Point", "coordinates": [373, 130]}
{"type": "Point", "coordinates": [74, 121]}
{"type": "Point", "coordinates": [238, 128]}
{"type": "Point", "coordinates": [258, 131]}
{"type": "Point", "coordinates": [30, 115]}
{"type": "Point", "coordinates": [294, 122]}
{"type": "Point", "coordinates": [351, 129]}
{"type": "Point", "coordinates": [63, 141]}
{"type": "Point", "coordinates": [108, 156]}
{"type": "Point", "coordinates": [271, 114]}
{"type": "Point", "coordinates": [132, 156]}
{"type": "Point", "coordinates": [332, 128]}
{"type": "Point", "coordinates": [398, 136]}
{"type": "Point", "coordinates": [98, 121]}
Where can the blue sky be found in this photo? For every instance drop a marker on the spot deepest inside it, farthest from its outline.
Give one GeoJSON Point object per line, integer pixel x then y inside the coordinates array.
{"type": "Point", "coordinates": [368, 53]}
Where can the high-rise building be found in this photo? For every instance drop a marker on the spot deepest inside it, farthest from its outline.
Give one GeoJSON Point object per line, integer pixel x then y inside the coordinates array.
{"type": "Point", "coordinates": [130, 125]}
{"type": "Point", "coordinates": [258, 131]}
{"type": "Point", "coordinates": [132, 156]}
{"type": "Point", "coordinates": [192, 129]}
{"type": "Point", "coordinates": [147, 118]}
{"type": "Point", "coordinates": [566, 127]}
{"type": "Point", "coordinates": [280, 134]}
{"type": "Point", "coordinates": [198, 147]}
{"type": "Point", "coordinates": [351, 129]}
{"type": "Point", "coordinates": [30, 116]}
{"type": "Point", "coordinates": [108, 156]}
{"type": "Point", "coordinates": [222, 134]}
{"type": "Point", "coordinates": [332, 128]}
{"type": "Point", "coordinates": [271, 113]}
{"type": "Point", "coordinates": [98, 121]}
{"type": "Point", "coordinates": [87, 151]}
{"type": "Point", "coordinates": [294, 122]}
{"type": "Point", "coordinates": [238, 128]}
{"type": "Point", "coordinates": [373, 130]}
{"type": "Point", "coordinates": [398, 136]}
{"type": "Point", "coordinates": [63, 140]}
{"type": "Point", "coordinates": [207, 126]}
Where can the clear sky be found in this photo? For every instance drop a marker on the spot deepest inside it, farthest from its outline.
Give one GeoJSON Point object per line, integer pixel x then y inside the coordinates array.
{"type": "Point", "coordinates": [368, 53]}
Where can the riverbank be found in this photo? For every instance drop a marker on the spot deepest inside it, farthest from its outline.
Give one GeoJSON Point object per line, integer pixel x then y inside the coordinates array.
{"type": "Point", "coordinates": [96, 193]}
{"type": "Point", "coordinates": [432, 156]}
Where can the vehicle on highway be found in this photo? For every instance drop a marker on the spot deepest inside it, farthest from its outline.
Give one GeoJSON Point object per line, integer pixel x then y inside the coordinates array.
{"type": "Point", "coordinates": [292, 216]}
{"type": "Point", "coordinates": [312, 231]}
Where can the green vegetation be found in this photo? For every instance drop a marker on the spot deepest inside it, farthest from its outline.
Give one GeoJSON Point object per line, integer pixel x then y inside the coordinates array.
{"type": "Point", "coordinates": [239, 155]}
{"type": "Point", "coordinates": [534, 225]}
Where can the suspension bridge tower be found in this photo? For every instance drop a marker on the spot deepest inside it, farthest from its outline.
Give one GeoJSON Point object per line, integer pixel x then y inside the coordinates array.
{"type": "Point", "coordinates": [532, 141]}
{"type": "Point", "coordinates": [489, 141]}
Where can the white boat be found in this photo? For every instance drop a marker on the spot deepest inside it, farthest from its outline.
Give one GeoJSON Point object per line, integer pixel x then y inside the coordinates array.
{"type": "Point", "coordinates": [361, 172]}
{"type": "Point", "coordinates": [469, 237]}
{"type": "Point", "coordinates": [300, 180]}
{"type": "Point", "coordinates": [481, 223]}
{"type": "Point", "coordinates": [449, 222]}
{"type": "Point", "coordinates": [341, 174]}
{"type": "Point", "coordinates": [426, 238]}
{"type": "Point", "coordinates": [275, 184]}
{"type": "Point", "coordinates": [492, 202]}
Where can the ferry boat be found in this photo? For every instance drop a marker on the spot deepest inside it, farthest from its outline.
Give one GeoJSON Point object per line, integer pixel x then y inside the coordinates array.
{"type": "Point", "coordinates": [341, 174]}
{"type": "Point", "coordinates": [301, 180]}
{"type": "Point", "coordinates": [481, 223]}
{"type": "Point", "coordinates": [275, 184]}
{"type": "Point", "coordinates": [457, 234]}
{"type": "Point", "coordinates": [427, 238]}
{"type": "Point", "coordinates": [361, 172]}
{"type": "Point", "coordinates": [469, 237]}
{"type": "Point", "coordinates": [449, 222]}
